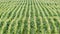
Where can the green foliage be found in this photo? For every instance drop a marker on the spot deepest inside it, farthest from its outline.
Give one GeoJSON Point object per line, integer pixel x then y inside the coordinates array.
{"type": "Point", "coordinates": [29, 17]}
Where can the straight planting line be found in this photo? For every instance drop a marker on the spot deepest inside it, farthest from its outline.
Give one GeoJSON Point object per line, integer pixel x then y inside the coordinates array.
{"type": "Point", "coordinates": [42, 30]}
{"type": "Point", "coordinates": [22, 26]}
{"type": "Point", "coordinates": [22, 12]}
{"type": "Point", "coordinates": [1, 12]}
{"type": "Point", "coordinates": [29, 19]}
{"type": "Point", "coordinates": [47, 23]}
{"type": "Point", "coordinates": [56, 32]}
{"type": "Point", "coordinates": [8, 12]}
{"type": "Point", "coordinates": [34, 18]}
{"type": "Point", "coordinates": [17, 19]}
{"type": "Point", "coordinates": [5, 23]}
{"type": "Point", "coordinates": [40, 6]}
{"type": "Point", "coordinates": [54, 10]}
{"type": "Point", "coordinates": [39, 18]}
{"type": "Point", "coordinates": [4, 13]}
{"type": "Point", "coordinates": [45, 10]}
{"type": "Point", "coordinates": [50, 10]}
{"type": "Point", "coordinates": [11, 22]}
{"type": "Point", "coordinates": [9, 28]}
{"type": "Point", "coordinates": [4, 27]}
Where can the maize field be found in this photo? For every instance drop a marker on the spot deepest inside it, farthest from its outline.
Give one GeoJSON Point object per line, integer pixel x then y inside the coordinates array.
{"type": "Point", "coordinates": [29, 17]}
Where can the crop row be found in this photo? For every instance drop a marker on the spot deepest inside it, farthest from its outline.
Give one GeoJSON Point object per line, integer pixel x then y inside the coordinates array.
{"type": "Point", "coordinates": [29, 17]}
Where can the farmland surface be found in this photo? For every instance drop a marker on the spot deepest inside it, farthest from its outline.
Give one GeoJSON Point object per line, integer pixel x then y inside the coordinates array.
{"type": "Point", "coordinates": [29, 16]}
